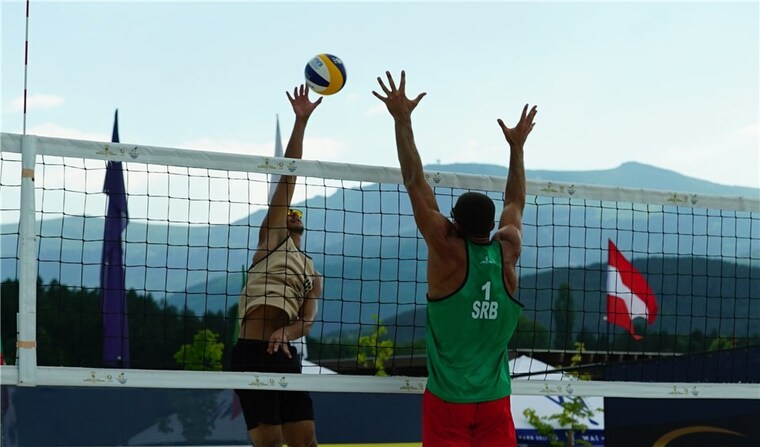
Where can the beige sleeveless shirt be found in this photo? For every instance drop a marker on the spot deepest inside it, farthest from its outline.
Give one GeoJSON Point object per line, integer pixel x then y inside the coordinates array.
{"type": "Point", "coordinates": [282, 279]}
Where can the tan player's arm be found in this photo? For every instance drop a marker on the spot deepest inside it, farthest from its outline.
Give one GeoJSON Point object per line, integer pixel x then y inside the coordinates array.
{"type": "Point", "coordinates": [274, 226]}
{"type": "Point", "coordinates": [300, 327]}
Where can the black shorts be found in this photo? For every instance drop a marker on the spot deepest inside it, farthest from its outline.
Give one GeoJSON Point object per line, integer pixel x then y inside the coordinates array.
{"type": "Point", "coordinates": [270, 407]}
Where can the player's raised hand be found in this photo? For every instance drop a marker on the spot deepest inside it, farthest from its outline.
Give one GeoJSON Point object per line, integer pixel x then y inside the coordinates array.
{"type": "Point", "coordinates": [302, 106]}
{"type": "Point", "coordinates": [398, 104]}
{"type": "Point", "coordinates": [517, 135]}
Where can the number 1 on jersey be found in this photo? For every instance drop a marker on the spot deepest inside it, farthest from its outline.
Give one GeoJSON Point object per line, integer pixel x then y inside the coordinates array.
{"type": "Point", "coordinates": [487, 289]}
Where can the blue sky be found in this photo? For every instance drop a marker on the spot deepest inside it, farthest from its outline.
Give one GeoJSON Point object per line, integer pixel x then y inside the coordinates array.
{"type": "Point", "coordinates": [674, 85]}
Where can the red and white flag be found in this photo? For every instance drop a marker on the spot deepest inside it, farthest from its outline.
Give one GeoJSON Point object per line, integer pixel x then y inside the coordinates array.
{"type": "Point", "coordinates": [628, 294]}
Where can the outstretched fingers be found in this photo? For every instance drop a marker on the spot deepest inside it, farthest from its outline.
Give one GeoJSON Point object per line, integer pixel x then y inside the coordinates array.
{"type": "Point", "coordinates": [301, 91]}
{"type": "Point", "coordinates": [386, 90]}
{"type": "Point", "coordinates": [532, 113]}
{"type": "Point", "coordinates": [418, 99]}
{"type": "Point", "coordinates": [390, 80]}
{"type": "Point", "coordinates": [296, 94]}
{"type": "Point", "coordinates": [402, 84]}
{"type": "Point", "coordinates": [520, 132]}
{"type": "Point", "coordinates": [382, 86]}
{"type": "Point", "coordinates": [395, 95]}
{"type": "Point", "coordinates": [524, 113]}
{"type": "Point", "coordinates": [302, 105]}
{"type": "Point", "coordinates": [528, 120]}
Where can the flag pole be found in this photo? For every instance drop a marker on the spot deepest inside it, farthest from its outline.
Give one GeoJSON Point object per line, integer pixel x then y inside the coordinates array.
{"type": "Point", "coordinates": [607, 343]}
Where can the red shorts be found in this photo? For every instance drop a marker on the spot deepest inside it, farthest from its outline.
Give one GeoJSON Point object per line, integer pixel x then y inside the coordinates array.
{"type": "Point", "coordinates": [483, 424]}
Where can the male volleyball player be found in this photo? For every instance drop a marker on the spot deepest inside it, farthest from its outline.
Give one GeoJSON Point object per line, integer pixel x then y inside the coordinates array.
{"type": "Point", "coordinates": [472, 281]}
{"type": "Point", "coordinates": [277, 305]}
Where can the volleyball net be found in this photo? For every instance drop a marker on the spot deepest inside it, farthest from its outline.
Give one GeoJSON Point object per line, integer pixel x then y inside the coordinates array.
{"type": "Point", "coordinates": [622, 287]}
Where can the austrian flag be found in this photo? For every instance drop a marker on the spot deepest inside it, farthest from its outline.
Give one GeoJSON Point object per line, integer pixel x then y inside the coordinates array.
{"type": "Point", "coordinates": [628, 294]}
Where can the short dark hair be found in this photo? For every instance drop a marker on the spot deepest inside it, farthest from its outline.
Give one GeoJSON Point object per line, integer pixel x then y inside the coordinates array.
{"type": "Point", "coordinates": [474, 212]}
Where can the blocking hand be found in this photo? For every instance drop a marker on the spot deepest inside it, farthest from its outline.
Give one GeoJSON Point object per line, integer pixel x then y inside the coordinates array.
{"type": "Point", "coordinates": [517, 135]}
{"type": "Point", "coordinates": [300, 102]}
{"type": "Point", "coordinates": [398, 104]}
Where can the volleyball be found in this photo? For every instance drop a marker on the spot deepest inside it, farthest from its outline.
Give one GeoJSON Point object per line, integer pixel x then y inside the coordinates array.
{"type": "Point", "coordinates": [325, 74]}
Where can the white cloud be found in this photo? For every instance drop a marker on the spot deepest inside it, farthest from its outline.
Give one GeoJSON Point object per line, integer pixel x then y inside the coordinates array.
{"type": "Point", "coordinates": [472, 144]}
{"type": "Point", "coordinates": [322, 148]}
{"type": "Point", "coordinates": [38, 102]}
{"type": "Point", "coordinates": [750, 130]}
{"type": "Point", "coordinates": [468, 151]}
{"type": "Point", "coordinates": [55, 130]}
{"type": "Point", "coordinates": [376, 110]}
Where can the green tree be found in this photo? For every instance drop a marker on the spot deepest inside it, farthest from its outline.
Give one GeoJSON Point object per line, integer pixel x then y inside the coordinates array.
{"type": "Point", "coordinates": [721, 343]}
{"type": "Point", "coordinates": [373, 351]}
{"type": "Point", "coordinates": [529, 334]}
{"type": "Point", "coordinates": [564, 317]}
{"type": "Point", "coordinates": [203, 354]}
{"type": "Point", "coordinates": [70, 328]}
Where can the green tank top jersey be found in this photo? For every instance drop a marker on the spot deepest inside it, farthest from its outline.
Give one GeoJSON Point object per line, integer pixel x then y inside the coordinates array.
{"type": "Point", "coordinates": [468, 331]}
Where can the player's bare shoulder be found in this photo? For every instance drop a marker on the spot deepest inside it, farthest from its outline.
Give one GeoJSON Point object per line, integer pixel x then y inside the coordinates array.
{"type": "Point", "coordinates": [446, 247]}
{"type": "Point", "coordinates": [510, 238]}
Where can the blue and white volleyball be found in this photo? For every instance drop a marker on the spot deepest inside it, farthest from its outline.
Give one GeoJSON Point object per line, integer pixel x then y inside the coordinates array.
{"type": "Point", "coordinates": [325, 74]}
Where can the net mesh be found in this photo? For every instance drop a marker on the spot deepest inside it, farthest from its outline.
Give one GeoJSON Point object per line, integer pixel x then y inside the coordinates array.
{"type": "Point", "coordinates": [193, 224]}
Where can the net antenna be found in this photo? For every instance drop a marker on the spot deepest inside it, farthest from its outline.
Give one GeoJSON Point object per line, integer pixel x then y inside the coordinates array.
{"type": "Point", "coordinates": [274, 179]}
{"type": "Point", "coordinates": [26, 63]}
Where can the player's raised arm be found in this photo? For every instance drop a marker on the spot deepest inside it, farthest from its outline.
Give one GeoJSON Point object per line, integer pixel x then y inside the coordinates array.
{"type": "Point", "coordinates": [277, 215]}
{"type": "Point", "coordinates": [510, 221]}
{"type": "Point", "coordinates": [426, 212]}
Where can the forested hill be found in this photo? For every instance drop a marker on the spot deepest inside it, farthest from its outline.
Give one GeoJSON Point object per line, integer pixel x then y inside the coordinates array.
{"type": "Point", "coordinates": [693, 294]}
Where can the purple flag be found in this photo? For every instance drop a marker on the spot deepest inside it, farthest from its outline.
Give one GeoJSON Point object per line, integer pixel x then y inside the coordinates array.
{"type": "Point", "coordinates": [112, 289]}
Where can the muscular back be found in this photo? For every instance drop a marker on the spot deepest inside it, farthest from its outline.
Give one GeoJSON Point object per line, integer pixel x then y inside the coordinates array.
{"type": "Point", "coordinates": [447, 259]}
